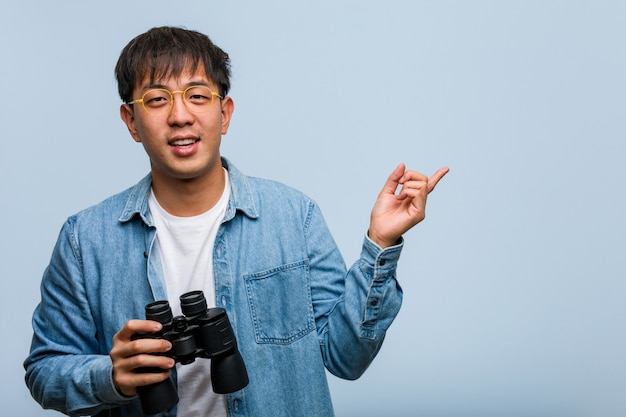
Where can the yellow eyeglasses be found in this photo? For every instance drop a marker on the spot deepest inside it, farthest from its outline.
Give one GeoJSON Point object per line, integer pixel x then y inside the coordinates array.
{"type": "Point", "coordinates": [159, 101]}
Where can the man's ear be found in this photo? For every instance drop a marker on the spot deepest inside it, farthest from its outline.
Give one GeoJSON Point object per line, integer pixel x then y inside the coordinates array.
{"type": "Point", "coordinates": [228, 107]}
{"type": "Point", "coordinates": [128, 116]}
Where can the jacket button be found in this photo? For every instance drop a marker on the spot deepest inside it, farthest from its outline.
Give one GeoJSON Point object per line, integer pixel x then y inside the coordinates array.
{"type": "Point", "coordinates": [382, 262]}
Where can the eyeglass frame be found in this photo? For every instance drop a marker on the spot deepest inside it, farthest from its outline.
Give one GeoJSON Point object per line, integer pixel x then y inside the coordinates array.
{"type": "Point", "coordinates": [171, 93]}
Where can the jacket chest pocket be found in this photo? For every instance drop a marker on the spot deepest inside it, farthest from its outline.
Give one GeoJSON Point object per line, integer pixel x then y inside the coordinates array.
{"type": "Point", "coordinates": [280, 303]}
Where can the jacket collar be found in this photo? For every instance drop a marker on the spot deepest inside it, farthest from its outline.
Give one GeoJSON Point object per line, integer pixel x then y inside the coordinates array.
{"type": "Point", "coordinates": [241, 198]}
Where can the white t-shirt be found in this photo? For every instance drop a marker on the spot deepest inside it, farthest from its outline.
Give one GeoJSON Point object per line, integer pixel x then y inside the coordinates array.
{"type": "Point", "coordinates": [186, 248]}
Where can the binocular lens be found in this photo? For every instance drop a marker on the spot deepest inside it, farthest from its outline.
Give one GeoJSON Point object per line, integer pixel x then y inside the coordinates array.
{"type": "Point", "coordinates": [193, 303]}
{"type": "Point", "coordinates": [159, 311]}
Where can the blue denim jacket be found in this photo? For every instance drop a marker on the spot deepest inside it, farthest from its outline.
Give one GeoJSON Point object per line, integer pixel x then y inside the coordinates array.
{"type": "Point", "coordinates": [293, 306]}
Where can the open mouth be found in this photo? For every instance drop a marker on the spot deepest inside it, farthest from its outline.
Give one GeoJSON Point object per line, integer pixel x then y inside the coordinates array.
{"type": "Point", "coordinates": [183, 142]}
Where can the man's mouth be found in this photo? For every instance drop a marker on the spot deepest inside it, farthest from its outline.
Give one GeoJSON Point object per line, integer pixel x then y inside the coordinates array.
{"type": "Point", "coordinates": [183, 142]}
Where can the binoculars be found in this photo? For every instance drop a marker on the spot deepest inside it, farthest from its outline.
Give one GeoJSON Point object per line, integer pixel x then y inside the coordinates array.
{"type": "Point", "coordinates": [200, 332]}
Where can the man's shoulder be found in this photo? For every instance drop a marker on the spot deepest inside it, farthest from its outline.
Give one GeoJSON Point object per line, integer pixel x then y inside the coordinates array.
{"type": "Point", "coordinates": [272, 192]}
{"type": "Point", "coordinates": [112, 207]}
{"type": "Point", "coordinates": [269, 185]}
{"type": "Point", "coordinates": [260, 188]}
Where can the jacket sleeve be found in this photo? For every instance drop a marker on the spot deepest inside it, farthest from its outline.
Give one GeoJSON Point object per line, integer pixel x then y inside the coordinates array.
{"type": "Point", "coordinates": [353, 309]}
{"type": "Point", "coordinates": [65, 370]}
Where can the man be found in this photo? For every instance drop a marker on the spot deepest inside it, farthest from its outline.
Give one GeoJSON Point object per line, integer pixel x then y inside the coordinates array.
{"type": "Point", "coordinates": [258, 249]}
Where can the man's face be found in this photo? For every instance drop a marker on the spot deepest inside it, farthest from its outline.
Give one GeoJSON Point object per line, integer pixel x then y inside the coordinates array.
{"type": "Point", "coordinates": [181, 144]}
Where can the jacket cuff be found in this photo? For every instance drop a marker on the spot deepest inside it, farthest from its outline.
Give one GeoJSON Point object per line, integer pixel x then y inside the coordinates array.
{"type": "Point", "coordinates": [102, 377]}
{"type": "Point", "coordinates": [383, 261]}
{"type": "Point", "coordinates": [381, 305]}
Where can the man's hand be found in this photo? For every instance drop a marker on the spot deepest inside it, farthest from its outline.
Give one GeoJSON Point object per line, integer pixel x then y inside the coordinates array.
{"type": "Point", "coordinates": [393, 215]}
{"type": "Point", "coordinates": [128, 355]}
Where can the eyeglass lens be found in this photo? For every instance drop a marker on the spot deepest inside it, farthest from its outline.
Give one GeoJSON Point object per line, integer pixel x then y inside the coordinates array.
{"type": "Point", "coordinates": [198, 99]}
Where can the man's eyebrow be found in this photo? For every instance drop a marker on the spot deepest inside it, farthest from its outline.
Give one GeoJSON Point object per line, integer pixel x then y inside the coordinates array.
{"type": "Point", "coordinates": [198, 82]}
{"type": "Point", "coordinates": [163, 86]}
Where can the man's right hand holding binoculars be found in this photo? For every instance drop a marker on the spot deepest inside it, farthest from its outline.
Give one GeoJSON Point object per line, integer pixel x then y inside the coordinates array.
{"type": "Point", "coordinates": [128, 355]}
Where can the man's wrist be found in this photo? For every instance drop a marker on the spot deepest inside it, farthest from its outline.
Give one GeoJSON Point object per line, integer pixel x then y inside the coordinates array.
{"type": "Point", "coordinates": [383, 243]}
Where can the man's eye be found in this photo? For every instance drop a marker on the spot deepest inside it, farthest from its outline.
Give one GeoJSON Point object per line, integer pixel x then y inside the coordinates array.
{"type": "Point", "coordinates": [198, 98]}
{"type": "Point", "coordinates": [156, 101]}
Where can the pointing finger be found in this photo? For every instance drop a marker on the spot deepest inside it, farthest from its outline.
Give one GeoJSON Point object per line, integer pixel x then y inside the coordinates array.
{"type": "Point", "coordinates": [432, 181]}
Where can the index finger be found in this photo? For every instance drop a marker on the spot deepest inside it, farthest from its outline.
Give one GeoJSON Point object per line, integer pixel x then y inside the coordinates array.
{"type": "Point", "coordinates": [434, 179]}
{"type": "Point", "coordinates": [135, 326]}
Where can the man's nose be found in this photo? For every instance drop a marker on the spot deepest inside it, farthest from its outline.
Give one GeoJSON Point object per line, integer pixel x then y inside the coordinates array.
{"type": "Point", "coordinates": [179, 111]}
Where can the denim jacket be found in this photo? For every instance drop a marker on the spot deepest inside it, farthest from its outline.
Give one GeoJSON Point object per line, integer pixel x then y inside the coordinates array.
{"type": "Point", "coordinates": [294, 307]}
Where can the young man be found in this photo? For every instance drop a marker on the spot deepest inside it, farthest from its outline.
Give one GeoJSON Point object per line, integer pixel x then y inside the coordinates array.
{"type": "Point", "coordinates": [258, 249]}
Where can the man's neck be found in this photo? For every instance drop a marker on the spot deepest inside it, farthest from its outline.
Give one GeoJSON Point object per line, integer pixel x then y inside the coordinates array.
{"type": "Point", "coordinates": [185, 198]}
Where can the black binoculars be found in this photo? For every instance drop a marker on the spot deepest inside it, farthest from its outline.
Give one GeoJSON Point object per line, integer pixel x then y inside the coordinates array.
{"type": "Point", "coordinates": [200, 332]}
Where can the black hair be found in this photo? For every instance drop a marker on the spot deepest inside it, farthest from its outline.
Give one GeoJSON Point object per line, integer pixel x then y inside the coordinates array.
{"type": "Point", "coordinates": [163, 52]}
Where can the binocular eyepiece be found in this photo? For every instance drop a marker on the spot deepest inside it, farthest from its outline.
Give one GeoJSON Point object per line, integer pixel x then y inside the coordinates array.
{"type": "Point", "coordinates": [200, 332]}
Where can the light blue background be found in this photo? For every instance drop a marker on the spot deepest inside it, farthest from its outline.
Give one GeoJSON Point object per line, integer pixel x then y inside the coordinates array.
{"type": "Point", "coordinates": [514, 284]}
